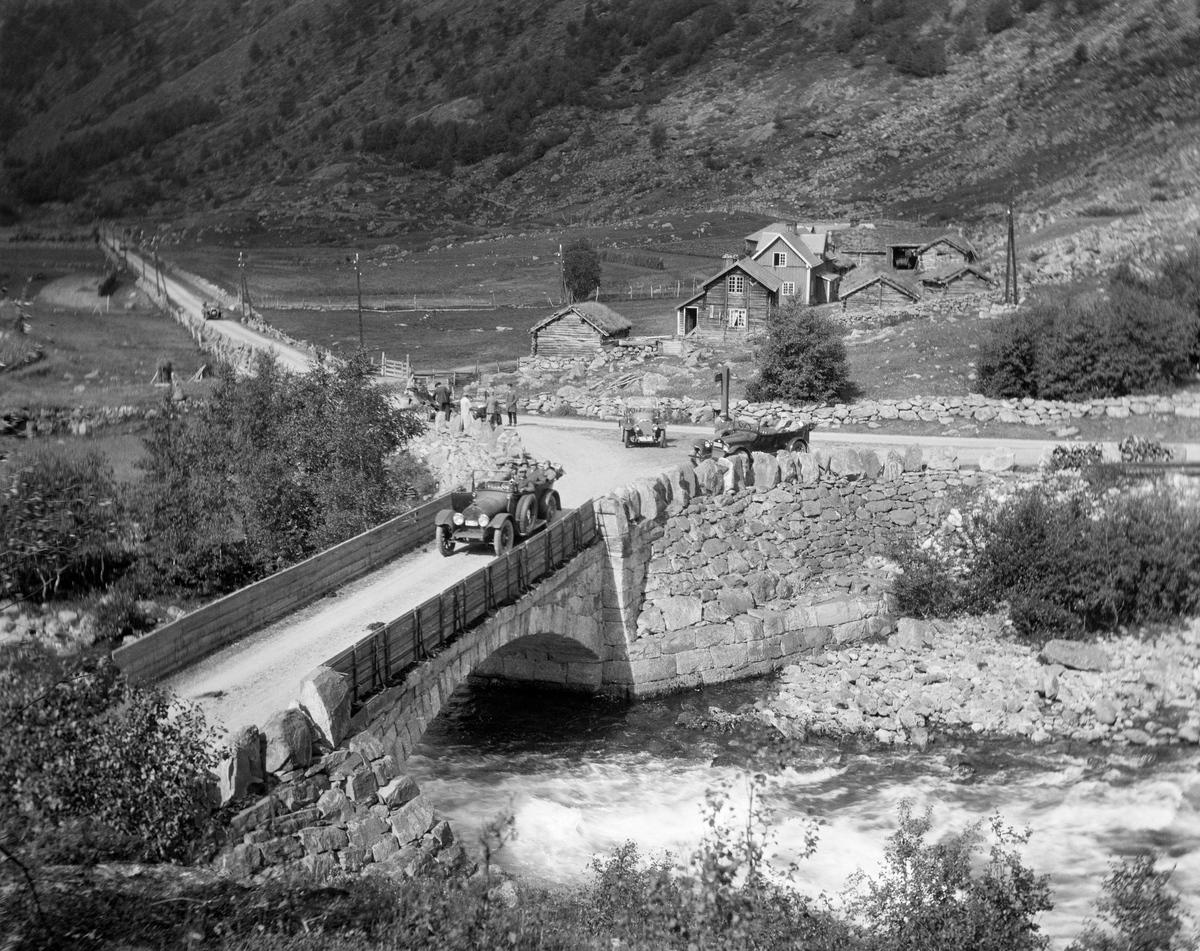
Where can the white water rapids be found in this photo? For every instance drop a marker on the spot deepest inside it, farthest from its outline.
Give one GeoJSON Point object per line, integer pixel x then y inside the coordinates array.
{"type": "Point", "coordinates": [582, 776]}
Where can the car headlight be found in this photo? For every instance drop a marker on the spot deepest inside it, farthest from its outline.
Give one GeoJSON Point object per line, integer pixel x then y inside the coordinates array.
{"type": "Point", "coordinates": [482, 521]}
{"type": "Point", "coordinates": [458, 519]}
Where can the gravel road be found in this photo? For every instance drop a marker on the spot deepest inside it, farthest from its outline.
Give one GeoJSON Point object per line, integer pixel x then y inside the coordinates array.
{"type": "Point", "coordinates": [187, 292]}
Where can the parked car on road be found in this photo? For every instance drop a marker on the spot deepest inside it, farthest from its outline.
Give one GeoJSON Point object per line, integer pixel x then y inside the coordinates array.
{"type": "Point", "coordinates": [641, 422]}
{"type": "Point", "coordinates": [734, 437]}
{"type": "Point", "coordinates": [211, 311]}
{"type": "Point", "coordinates": [503, 509]}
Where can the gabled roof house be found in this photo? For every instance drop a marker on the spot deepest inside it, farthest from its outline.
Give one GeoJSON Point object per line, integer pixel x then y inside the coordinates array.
{"type": "Point", "coordinates": [578, 329]}
{"type": "Point", "coordinates": [737, 299]}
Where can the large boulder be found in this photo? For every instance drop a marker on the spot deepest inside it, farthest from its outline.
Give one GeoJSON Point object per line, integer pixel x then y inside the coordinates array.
{"type": "Point", "coordinates": [289, 740]}
{"type": "Point", "coordinates": [998, 460]}
{"type": "Point", "coordinates": [893, 467]}
{"type": "Point", "coordinates": [872, 467]}
{"type": "Point", "coordinates": [943, 459]}
{"type": "Point", "coordinates": [1076, 656]}
{"type": "Point", "coordinates": [325, 697]}
{"type": "Point", "coordinates": [846, 463]}
{"type": "Point", "coordinates": [766, 471]}
{"type": "Point", "coordinates": [810, 468]}
{"type": "Point", "coordinates": [710, 478]}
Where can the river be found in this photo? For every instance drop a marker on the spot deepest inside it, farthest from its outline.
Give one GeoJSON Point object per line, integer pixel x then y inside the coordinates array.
{"type": "Point", "coordinates": [583, 775]}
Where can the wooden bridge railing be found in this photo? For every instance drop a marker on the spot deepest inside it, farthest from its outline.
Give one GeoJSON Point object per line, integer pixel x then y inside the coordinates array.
{"type": "Point", "coordinates": [380, 657]}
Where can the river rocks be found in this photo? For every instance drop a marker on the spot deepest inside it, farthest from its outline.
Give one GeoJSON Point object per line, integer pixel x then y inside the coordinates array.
{"type": "Point", "coordinates": [1076, 656]}
{"type": "Point", "coordinates": [967, 675]}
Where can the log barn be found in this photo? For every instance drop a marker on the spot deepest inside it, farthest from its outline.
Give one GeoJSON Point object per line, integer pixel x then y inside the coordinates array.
{"type": "Point", "coordinates": [578, 330]}
{"type": "Point", "coordinates": [732, 303]}
{"type": "Point", "coordinates": [874, 288]}
{"type": "Point", "coordinates": [956, 280]}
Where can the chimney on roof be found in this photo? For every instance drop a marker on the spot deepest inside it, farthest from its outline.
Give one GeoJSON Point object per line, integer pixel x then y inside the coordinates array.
{"type": "Point", "coordinates": [728, 258]}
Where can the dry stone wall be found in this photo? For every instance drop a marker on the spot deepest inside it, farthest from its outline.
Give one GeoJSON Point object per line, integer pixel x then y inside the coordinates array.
{"type": "Point", "coordinates": [874, 413]}
{"type": "Point", "coordinates": [332, 806]}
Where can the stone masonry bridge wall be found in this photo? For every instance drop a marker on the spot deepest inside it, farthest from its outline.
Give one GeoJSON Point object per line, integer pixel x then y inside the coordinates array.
{"type": "Point", "coordinates": [709, 579]}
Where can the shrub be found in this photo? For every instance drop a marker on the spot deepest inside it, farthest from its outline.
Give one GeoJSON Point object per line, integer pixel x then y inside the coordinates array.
{"type": "Point", "coordinates": [803, 358]}
{"type": "Point", "coordinates": [1140, 910]}
{"type": "Point", "coordinates": [1075, 457]}
{"type": "Point", "coordinates": [658, 136]}
{"type": "Point", "coordinates": [274, 468]}
{"type": "Point", "coordinates": [1140, 449]}
{"type": "Point", "coordinates": [60, 524]}
{"type": "Point", "coordinates": [928, 586]}
{"type": "Point", "coordinates": [84, 746]}
{"type": "Point", "coordinates": [934, 898]}
{"type": "Point", "coordinates": [1067, 564]}
{"type": "Point", "coordinates": [1071, 348]}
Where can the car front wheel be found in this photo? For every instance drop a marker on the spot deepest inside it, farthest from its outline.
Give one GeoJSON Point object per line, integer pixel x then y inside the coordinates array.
{"type": "Point", "coordinates": [798, 444]}
{"type": "Point", "coordinates": [444, 542]}
{"type": "Point", "coordinates": [502, 539]}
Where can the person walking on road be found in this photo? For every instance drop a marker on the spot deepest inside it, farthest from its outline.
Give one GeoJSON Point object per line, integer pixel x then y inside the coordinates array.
{"type": "Point", "coordinates": [510, 404]}
{"type": "Point", "coordinates": [464, 411]}
{"type": "Point", "coordinates": [492, 410]}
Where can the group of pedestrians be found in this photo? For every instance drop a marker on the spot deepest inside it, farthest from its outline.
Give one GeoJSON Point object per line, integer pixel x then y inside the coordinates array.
{"type": "Point", "coordinates": [443, 396]}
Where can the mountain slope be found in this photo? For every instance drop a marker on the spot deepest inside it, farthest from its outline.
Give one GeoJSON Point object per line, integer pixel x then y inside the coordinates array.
{"type": "Point", "coordinates": [336, 118]}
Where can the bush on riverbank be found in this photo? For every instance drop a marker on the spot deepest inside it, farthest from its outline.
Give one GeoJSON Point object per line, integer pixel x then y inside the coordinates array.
{"type": "Point", "coordinates": [94, 768]}
{"type": "Point", "coordinates": [1064, 563]}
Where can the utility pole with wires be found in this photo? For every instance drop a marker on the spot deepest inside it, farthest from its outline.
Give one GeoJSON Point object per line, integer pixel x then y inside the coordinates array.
{"type": "Point", "coordinates": [243, 287]}
{"type": "Point", "coordinates": [562, 274]}
{"type": "Point", "coordinates": [358, 280]}
{"type": "Point", "coordinates": [1010, 261]}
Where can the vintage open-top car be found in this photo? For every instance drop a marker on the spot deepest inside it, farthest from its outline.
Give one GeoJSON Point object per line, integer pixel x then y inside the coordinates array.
{"type": "Point", "coordinates": [641, 422]}
{"type": "Point", "coordinates": [733, 436]}
{"type": "Point", "coordinates": [212, 311]}
{"type": "Point", "coordinates": [506, 507]}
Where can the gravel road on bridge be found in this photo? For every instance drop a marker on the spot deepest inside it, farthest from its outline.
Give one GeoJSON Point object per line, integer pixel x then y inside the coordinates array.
{"type": "Point", "coordinates": [246, 682]}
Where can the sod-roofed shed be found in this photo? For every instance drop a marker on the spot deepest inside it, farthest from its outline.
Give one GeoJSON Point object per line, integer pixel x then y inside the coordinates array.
{"type": "Point", "coordinates": [578, 329]}
{"type": "Point", "coordinates": [876, 287]}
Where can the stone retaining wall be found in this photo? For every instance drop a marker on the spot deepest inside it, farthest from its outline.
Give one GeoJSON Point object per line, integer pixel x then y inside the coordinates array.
{"type": "Point", "coordinates": [348, 809]}
{"type": "Point", "coordinates": [943, 410]}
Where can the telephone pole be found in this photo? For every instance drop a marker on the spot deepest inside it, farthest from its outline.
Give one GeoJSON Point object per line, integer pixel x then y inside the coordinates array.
{"type": "Point", "coordinates": [1010, 261]}
{"type": "Point", "coordinates": [358, 281]}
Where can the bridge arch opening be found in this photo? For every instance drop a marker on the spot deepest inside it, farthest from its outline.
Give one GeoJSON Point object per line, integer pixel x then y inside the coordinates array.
{"type": "Point", "coordinates": [545, 659]}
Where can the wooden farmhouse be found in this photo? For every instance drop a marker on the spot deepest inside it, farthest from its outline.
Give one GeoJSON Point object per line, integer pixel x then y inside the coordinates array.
{"type": "Point", "coordinates": [797, 259]}
{"type": "Point", "coordinates": [732, 303]}
{"type": "Point", "coordinates": [578, 330]}
{"type": "Point", "coordinates": [876, 287]}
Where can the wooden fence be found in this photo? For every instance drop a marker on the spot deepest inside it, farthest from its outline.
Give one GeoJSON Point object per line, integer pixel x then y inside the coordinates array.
{"type": "Point", "coordinates": [184, 641]}
{"type": "Point", "coordinates": [384, 654]}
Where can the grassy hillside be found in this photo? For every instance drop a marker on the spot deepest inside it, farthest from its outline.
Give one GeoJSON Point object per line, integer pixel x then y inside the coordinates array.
{"type": "Point", "coordinates": [337, 120]}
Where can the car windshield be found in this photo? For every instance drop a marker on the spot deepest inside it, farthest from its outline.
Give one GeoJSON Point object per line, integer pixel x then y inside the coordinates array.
{"type": "Point", "coordinates": [641, 404]}
{"type": "Point", "coordinates": [495, 485]}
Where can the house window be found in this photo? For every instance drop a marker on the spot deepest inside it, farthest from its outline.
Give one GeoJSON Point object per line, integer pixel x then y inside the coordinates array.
{"type": "Point", "coordinates": [789, 289]}
{"type": "Point", "coordinates": [737, 284]}
{"type": "Point", "coordinates": [737, 318]}
{"type": "Point", "coordinates": [779, 259]}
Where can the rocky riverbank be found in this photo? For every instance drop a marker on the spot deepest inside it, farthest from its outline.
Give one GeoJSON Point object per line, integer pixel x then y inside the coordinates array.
{"type": "Point", "coordinates": [969, 674]}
